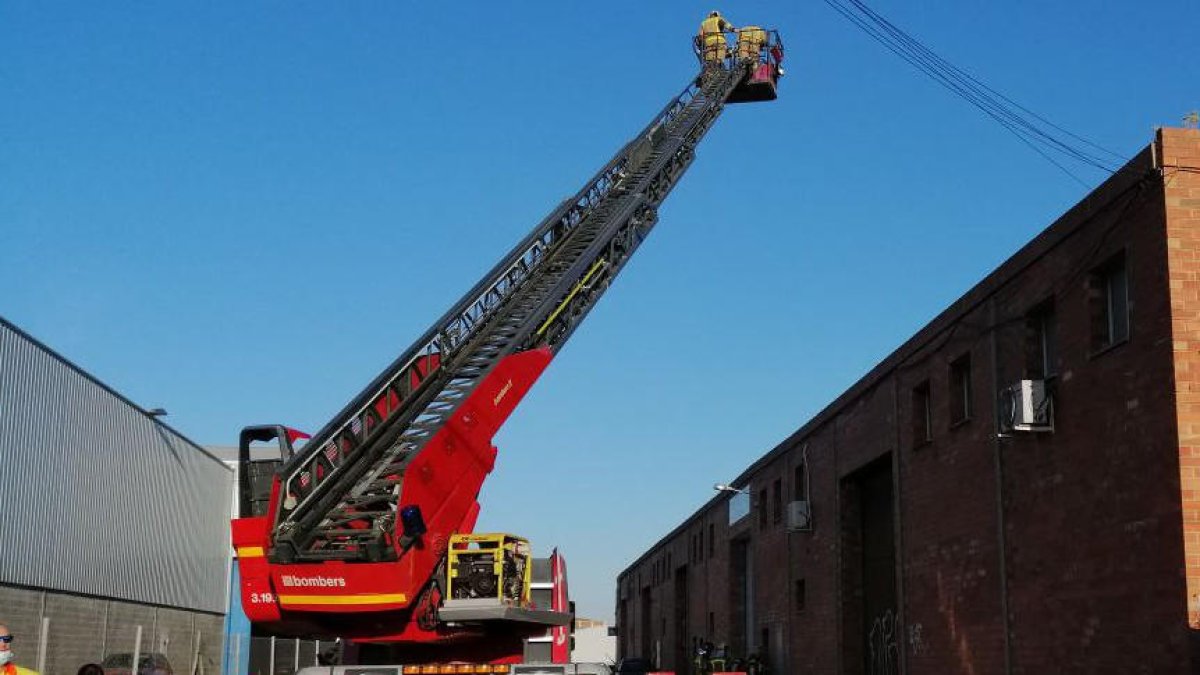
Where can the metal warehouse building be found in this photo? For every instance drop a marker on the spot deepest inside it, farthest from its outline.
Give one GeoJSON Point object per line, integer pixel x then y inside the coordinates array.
{"type": "Point", "coordinates": [115, 525]}
{"type": "Point", "coordinates": [1014, 490]}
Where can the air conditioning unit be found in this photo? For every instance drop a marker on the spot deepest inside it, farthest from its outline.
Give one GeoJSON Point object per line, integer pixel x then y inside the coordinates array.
{"type": "Point", "coordinates": [1025, 406]}
{"type": "Point", "coordinates": [799, 516]}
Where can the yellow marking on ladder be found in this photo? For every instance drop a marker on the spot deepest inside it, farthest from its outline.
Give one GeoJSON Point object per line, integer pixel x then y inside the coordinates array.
{"type": "Point", "coordinates": [571, 296]}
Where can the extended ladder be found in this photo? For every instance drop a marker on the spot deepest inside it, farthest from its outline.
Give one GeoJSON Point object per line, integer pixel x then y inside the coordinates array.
{"type": "Point", "coordinates": [338, 494]}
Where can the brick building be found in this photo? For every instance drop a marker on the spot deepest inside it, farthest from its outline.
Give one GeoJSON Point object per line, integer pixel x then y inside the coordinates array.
{"type": "Point", "coordinates": [910, 528]}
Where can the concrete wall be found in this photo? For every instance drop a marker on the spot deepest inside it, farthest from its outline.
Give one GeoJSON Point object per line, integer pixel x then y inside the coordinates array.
{"type": "Point", "coordinates": [85, 630]}
{"type": "Point", "coordinates": [594, 645]}
{"type": "Point", "coordinates": [1031, 553]}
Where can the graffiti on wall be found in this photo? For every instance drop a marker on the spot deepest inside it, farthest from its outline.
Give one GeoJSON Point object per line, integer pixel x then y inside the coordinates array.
{"type": "Point", "coordinates": [916, 640]}
{"type": "Point", "coordinates": [884, 652]}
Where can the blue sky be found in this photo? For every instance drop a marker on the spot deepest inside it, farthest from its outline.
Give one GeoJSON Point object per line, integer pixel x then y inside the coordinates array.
{"type": "Point", "coordinates": [242, 211]}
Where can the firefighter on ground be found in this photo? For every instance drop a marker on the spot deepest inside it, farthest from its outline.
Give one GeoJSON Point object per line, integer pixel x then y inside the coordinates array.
{"type": "Point", "coordinates": [717, 658]}
{"type": "Point", "coordinates": [750, 42]}
{"type": "Point", "coordinates": [712, 37]}
{"type": "Point", "coordinates": [7, 664]}
{"type": "Point", "coordinates": [701, 661]}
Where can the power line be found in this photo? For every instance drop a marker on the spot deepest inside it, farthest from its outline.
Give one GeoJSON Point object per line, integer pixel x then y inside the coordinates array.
{"type": "Point", "coordinates": [1017, 119]}
{"type": "Point", "coordinates": [965, 76]}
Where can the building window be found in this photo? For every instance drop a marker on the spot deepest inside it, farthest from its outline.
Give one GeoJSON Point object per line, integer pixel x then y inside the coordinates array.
{"type": "Point", "coordinates": [739, 505]}
{"type": "Point", "coordinates": [1041, 342]}
{"type": "Point", "coordinates": [800, 488]}
{"type": "Point", "coordinates": [700, 547]}
{"type": "Point", "coordinates": [712, 539]}
{"type": "Point", "coordinates": [800, 595]}
{"type": "Point", "coordinates": [712, 625]}
{"type": "Point", "coordinates": [960, 390]}
{"type": "Point", "coordinates": [777, 501]}
{"type": "Point", "coordinates": [1110, 303]}
{"type": "Point", "coordinates": [762, 507]}
{"type": "Point", "coordinates": [922, 415]}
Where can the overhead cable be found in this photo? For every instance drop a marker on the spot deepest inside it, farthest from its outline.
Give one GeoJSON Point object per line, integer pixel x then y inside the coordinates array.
{"type": "Point", "coordinates": [1032, 129]}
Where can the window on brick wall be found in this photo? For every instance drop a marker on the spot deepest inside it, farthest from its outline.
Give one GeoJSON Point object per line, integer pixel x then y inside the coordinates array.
{"type": "Point", "coordinates": [712, 540]}
{"type": "Point", "coordinates": [960, 390]}
{"type": "Point", "coordinates": [800, 595]}
{"type": "Point", "coordinates": [800, 483]}
{"type": "Point", "coordinates": [762, 507]}
{"type": "Point", "coordinates": [777, 501]}
{"type": "Point", "coordinates": [1041, 342]}
{"type": "Point", "coordinates": [700, 548]}
{"type": "Point", "coordinates": [922, 415]}
{"type": "Point", "coordinates": [1109, 303]}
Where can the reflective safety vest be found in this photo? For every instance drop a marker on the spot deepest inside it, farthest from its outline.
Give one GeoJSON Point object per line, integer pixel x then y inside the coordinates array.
{"type": "Point", "coordinates": [750, 42]}
{"type": "Point", "coordinates": [753, 35]}
{"type": "Point", "coordinates": [713, 26]}
{"type": "Point", "coordinates": [14, 669]}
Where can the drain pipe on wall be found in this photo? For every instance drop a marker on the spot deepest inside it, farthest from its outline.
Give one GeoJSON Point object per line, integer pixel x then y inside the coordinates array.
{"type": "Point", "coordinates": [898, 528]}
{"type": "Point", "coordinates": [998, 453]}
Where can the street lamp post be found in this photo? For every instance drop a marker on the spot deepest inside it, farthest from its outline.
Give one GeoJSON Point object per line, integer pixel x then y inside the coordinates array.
{"type": "Point", "coordinates": [749, 573]}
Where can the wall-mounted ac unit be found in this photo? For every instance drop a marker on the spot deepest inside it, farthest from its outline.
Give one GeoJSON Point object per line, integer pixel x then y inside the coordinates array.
{"type": "Point", "coordinates": [1025, 406]}
{"type": "Point", "coordinates": [799, 516]}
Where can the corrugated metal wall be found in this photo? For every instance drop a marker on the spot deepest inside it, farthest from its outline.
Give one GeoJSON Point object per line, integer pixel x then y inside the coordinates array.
{"type": "Point", "coordinates": [99, 498]}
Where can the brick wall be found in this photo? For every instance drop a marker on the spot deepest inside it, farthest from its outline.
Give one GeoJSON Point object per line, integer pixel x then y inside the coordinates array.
{"type": "Point", "coordinates": [1025, 552]}
{"type": "Point", "coordinates": [1092, 512]}
{"type": "Point", "coordinates": [1179, 150]}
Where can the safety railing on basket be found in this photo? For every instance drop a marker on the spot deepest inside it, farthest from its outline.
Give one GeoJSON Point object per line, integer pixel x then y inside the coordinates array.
{"type": "Point", "coordinates": [747, 44]}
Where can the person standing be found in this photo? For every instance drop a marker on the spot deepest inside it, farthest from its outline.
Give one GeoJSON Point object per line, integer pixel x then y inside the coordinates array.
{"type": "Point", "coordinates": [712, 37]}
{"type": "Point", "coordinates": [750, 42]}
{"type": "Point", "coordinates": [7, 665]}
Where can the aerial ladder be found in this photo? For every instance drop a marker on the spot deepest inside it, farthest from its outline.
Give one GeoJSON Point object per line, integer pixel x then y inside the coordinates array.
{"type": "Point", "coordinates": [363, 531]}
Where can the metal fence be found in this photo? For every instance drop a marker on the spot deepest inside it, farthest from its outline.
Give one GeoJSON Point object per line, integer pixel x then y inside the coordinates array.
{"type": "Point", "coordinates": [63, 633]}
{"type": "Point", "coordinates": [247, 655]}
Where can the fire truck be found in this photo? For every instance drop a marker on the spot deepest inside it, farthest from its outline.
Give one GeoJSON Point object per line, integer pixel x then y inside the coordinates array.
{"type": "Point", "coordinates": [364, 532]}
